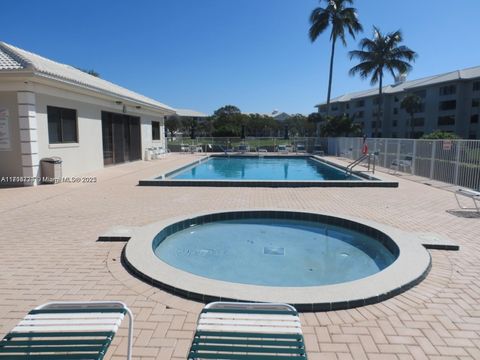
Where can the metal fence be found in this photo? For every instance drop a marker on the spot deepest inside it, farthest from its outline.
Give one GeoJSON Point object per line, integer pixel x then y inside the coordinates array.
{"type": "Point", "coordinates": [270, 144]}
{"type": "Point", "coordinates": [455, 162]}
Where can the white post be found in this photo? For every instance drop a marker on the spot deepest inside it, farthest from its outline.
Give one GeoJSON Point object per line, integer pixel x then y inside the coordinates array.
{"type": "Point", "coordinates": [432, 159]}
{"type": "Point", "coordinates": [458, 144]}
{"type": "Point", "coordinates": [398, 153]}
{"type": "Point", "coordinates": [414, 156]}
{"type": "Point", "coordinates": [386, 154]}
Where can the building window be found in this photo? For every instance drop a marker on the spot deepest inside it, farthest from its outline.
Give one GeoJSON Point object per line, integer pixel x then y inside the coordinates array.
{"type": "Point", "coordinates": [446, 120]}
{"type": "Point", "coordinates": [323, 108]}
{"type": "Point", "coordinates": [476, 103]}
{"type": "Point", "coordinates": [360, 103]}
{"type": "Point", "coordinates": [394, 135]}
{"type": "Point", "coordinates": [347, 106]}
{"type": "Point", "coordinates": [395, 123]}
{"type": "Point", "coordinates": [474, 119]}
{"type": "Point", "coordinates": [395, 111]}
{"type": "Point", "coordinates": [447, 105]}
{"type": "Point", "coordinates": [334, 107]}
{"type": "Point", "coordinates": [448, 90]}
{"type": "Point", "coordinates": [396, 99]}
{"type": "Point", "coordinates": [62, 125]}
{"type": "Point", "coordinates": [155, 130]}
{"type": "Point", "coordinates": [419, 122]}
{"type": "Point", "coordinates": [359, 114]}
{"type": "Point", "coordinates": [476, 86]}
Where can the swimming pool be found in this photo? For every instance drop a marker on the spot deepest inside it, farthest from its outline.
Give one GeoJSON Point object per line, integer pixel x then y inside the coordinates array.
{"type": "Point", "coordinates": [274, 252]}
{"type": "Point", "coordinates": [314, 261]}
{"type": "Point", "coordinates": [264, 171]}
{"type": "Point", "coordinates": [262, 168]}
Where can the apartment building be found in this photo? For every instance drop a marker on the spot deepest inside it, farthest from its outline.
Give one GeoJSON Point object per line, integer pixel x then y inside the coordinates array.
{"type": "Point", "coordinates": [450, 102]}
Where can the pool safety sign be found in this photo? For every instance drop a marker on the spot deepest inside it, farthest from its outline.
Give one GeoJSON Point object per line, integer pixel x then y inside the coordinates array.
{"type": "Point", "coordinates": [447, 145]}
{"type": "Point", "coordinates": [4, 130]}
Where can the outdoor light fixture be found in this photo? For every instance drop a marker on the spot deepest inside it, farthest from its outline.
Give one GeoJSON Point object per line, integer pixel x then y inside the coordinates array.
{"type": "Point", "coordinates": [138, 107]}
{"type": "Point", "coordinates": [118, 102]}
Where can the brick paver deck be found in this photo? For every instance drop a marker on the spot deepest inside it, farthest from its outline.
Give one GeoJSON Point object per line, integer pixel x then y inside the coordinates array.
{"type": "Point", "coordinates": [48, 251]}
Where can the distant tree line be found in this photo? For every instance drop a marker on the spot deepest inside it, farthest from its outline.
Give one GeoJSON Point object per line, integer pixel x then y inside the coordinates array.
{"type": "Point", "coordinates": [229, 121]}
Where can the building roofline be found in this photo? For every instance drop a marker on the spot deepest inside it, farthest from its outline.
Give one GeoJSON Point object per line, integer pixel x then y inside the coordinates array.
{"type": "Point", "coordinates": [407, 85]}
{"type": "Point", "coordinates": [96, 85]}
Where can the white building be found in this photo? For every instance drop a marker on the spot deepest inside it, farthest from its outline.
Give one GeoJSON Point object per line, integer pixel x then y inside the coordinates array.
{"type": "Point", "coordinates": [451, 102]}
{"type": "Point", "coordinates": [52, 109]}
{"type": "Point", "coordinates": [275, 114]}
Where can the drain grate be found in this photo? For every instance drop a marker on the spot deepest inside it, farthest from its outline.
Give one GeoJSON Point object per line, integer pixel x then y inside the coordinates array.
{"type": "Point", "coordinates": [270, 250]}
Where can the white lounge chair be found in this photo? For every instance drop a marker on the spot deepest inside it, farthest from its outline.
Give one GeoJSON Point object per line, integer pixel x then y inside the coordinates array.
{"type": "Point", "coordinates": [300, 148]}
{"type": "Point", "coordinates": [283, 149]}
{"type": "Point", "coordinates": [248, 331]}
{"type": "Point", "coordinates": [472, 194]}
{"type": "Point", "coordinates": [401, 165]}
{"type": "Point", "coordinates": [243, 148]}
{"type": "Point", "coordinates": [67, 330]}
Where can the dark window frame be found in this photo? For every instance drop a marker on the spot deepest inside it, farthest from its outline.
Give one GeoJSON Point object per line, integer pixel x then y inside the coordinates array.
{"type": "Point", "coordinates": [360, 103]}
{"type": "Point", "coordinates": [62, 118]}
{"type": "Point", "coordinates": [156, 131]}
{"type": "Point", "coordinates": [442, 120]}
{"type": "Point", "coordinates": [447, 105]}
{"type": "Point", "coordinates": [448, 90]}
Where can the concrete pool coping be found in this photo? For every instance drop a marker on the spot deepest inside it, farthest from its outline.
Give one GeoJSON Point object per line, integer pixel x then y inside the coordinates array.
{"type": "Point", "coordinates": [366, 179]}
{"type": "Point", "coordinates": [410, 268]}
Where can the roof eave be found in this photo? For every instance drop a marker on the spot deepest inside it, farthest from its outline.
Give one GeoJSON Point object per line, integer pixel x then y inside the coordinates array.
{"type": "Point", "coordinates": [167, 111]}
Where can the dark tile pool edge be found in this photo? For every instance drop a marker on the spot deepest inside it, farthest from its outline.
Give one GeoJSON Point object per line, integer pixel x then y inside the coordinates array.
{"type": "Point", "coordinates": [303, 307]}
{"type": "Point", "coordinates": [317, 307]}
{"type": "Point", "coordinates": [367, 180]}
{"type": "Point", "coordinates": [270, 184]}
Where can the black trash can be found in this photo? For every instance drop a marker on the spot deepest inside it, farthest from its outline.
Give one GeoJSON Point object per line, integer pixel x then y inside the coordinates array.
{"type": "Point", "coordinates": [51, 170]}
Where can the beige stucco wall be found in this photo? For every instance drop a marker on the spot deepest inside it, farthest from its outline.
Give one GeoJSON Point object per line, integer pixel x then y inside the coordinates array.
{"type": "Point", "coordinates": [87, 155]}
{"type": "Point", "coordinates": [82, 157]}
{"type": "Point", "coordinates": [11, 160]}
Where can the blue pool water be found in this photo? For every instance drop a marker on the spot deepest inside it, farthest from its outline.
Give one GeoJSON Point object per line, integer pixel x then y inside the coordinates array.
{"type": "Point", "coordinates": [262, 168]}
{"type": "Point", "coordinates": [274, 252]}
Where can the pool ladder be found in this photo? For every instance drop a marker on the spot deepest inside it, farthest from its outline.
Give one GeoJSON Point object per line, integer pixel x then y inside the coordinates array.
{"type": "Point", "coordinates": [349, 169]}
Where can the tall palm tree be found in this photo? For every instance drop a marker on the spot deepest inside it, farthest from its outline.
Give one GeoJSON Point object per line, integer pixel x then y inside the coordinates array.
{"type": "Point", "coordinates": [342, 19]}
{"type": "Point", "coordinates": [380, 54]}
{"type": "Point", "coordinates": [412, 104]}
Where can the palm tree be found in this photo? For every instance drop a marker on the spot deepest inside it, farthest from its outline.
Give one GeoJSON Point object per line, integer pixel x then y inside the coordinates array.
{"type": "Point", "coordinates": [382, 53]}
{"type": "Point", "coordinates": [412, 104]}
{"type": "Point", "coordinates": [342, 18]}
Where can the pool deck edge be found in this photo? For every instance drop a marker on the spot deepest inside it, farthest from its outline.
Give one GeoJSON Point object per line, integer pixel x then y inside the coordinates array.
{"type": "Point", "coordinates": [402, 275]}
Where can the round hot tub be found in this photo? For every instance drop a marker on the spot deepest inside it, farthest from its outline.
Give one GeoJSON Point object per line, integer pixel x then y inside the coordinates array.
{"type": "Point", "coordinates": [314, 261]}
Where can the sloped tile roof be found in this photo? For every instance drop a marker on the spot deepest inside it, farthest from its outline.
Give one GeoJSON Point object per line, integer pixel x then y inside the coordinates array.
{"type": "Point", "coordinates": [8, 61]}
{"type": "Point", "coordinates": [13, 58]}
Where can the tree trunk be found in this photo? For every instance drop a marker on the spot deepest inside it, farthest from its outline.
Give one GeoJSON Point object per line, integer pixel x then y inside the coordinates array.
{"type": "Point", "coordinates": [330, 76]}
{"type": "Point", "coordinates": [329, 91]}
{"type": "Point", "coordinates": [380, 102]}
